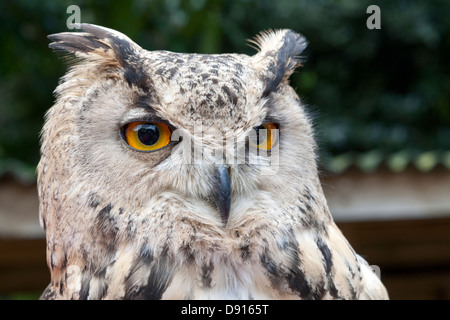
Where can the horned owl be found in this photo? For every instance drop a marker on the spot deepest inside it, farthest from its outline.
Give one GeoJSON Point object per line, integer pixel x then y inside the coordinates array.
{"type": "Point", "coordinates": [187, 176]}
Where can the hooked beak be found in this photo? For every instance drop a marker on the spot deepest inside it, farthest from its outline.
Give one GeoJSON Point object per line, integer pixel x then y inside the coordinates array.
{"type": "Point", "coordinates": [222, 192]}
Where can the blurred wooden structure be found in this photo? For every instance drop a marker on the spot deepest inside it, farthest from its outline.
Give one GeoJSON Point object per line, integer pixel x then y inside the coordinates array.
{"type": "Point", "coordinates": [413, 255]}
{"type": "Point", "coordinates": [398, 221]}
{"type": "Point", "coordinates": [23, 266]}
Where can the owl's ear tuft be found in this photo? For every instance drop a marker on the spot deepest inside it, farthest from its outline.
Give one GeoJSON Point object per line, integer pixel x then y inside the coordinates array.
{"type": "Point", "coordinates": [95, 42]}
{"type": "Point", "coordinates": [279, 53]}
{"type": "Point", "coordinates": [108, 49]}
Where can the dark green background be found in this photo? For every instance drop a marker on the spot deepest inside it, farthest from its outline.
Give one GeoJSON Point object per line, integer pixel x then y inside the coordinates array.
{"type": "Point", "coordinates": [380, 94]}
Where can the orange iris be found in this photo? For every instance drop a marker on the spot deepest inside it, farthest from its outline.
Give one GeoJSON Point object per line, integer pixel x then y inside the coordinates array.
{"type": "Point", "coordinates": [147, 136]}
{"type": "Point", "coordinates": [267, 136]}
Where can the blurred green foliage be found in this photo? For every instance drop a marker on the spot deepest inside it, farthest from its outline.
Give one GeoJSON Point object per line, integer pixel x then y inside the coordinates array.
{"type": "Point", "coordinates": [386, 90]}
{"type": "Point", "coordinates": [21, 296]}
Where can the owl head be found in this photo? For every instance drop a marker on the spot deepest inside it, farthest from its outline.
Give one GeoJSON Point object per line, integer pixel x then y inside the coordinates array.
{"type": "Point", "coordinates": [139, 137]}
{"type": "Point", "coordinates": [131, 123]}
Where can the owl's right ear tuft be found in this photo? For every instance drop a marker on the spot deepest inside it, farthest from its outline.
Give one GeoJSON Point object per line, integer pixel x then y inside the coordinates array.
{"type": "Point", "coordinates": [112, 53]}
{"type": "Point", "coordinates": [278, 54]}
{"type": "Point", "coordinates": [96, 43]}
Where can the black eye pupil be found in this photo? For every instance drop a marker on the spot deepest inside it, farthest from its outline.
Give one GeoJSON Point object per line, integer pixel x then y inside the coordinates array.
{"type": "Point", "coordinates": [148, 134]}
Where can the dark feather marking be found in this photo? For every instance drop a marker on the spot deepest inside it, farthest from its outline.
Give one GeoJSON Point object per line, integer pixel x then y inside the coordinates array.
{"type": "Point", "coordinates": [159, 277]}
{"type": "Point", "coordinates": [64, 262]}
{"type": "Point", "coordinates": [59, 264]}
{"type": "Point", "coordinates": [319, 291]}
{"type": "Point", "coordinates": [172, 72]}
{"type": "Point", "coordinates": [160, 71]}
{"type": "Point", "coordinates": [328, 264]}
{"type": "Point", "coordinates": [106, 225]}
{"type": "Point", "coordinates": [271, 267]}
{"type": "Point", "coordinates": [85, 284]}
{"type": "Point", "coordinates": [145, 258]}
{"type": "Point", "coordinates": [135, 75]}
{"type": "Point", "coordinates": [302, 210]}
{"type": "Point", "coordinates": [353, 274]}
{"type": "Point", "coordinates": [297, 282]}
{"type": "Point", "coordinates": [123, 50]}
{"type": "Point", "coordinates": [105, 231]}
{"type": "Point", "coordinates": [62, 285]}
{"type": "Point", "coordinates": [214, 72]}
{"type": "Point", "coordinates": [237, 84]}
{"type": "Point", "coordinates": [206, 274]}
{"type": "Point", "coordinates": [245, 251]}
{"type": "Point", "coordinates": [104, 213]}
{"type": "Point", "coordinates": [220, 103]}
{"type": "Point", "coordinates": [350, 269]}
{"type": "Point", "coordinates": [146, 102]}
{"type": "Point", "coordinates": [94, 200]}
{"type": "Point", "coordinates": [308, 195]}
{"type": "Point", "coordinates": [296, 277]}
{"type": "Point", "coordinates": [352, 290]}
{"type": "Point", "coordinates": [326, 254]}
{"type": "Point", "coordinates": [285, 60]}
{"type": "Point", "coordinates": [75, 42]}
{"type": "Point", "coordinates": [309, 220]}
{"type": "Point", "coordinates": [232, 97]}
{"type": "Point", "coordinates": [72, 42]}
{"type": "Point", "coordinates": [96, 270]}
{"type": "Point", "coordinates": [145, 255]}
{"type": "Point", "coordinates": [103, 288]}
{"type": "Point", "coordinates": [48, 294]}
{"type": "Point", "coordinates": [187, 252]}
{"type": "Point", "coordinates": [101, 273]}
{"type": "Point", "coordinates": [308, 207]}
{"type": "Point", "coordinates": [133, 72]}
{"type": "Point", "coordinates": [238, 67]}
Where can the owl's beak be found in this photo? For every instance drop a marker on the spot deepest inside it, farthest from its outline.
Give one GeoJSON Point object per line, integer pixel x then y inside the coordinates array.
{"type": "Point", "coordinates": [222, 192]}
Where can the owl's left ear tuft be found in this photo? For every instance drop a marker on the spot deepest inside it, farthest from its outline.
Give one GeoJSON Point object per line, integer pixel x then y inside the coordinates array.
{"type": "Point", "coordinates": [95, 42]}
{"type": "Point", "coordinates": [279, 53]}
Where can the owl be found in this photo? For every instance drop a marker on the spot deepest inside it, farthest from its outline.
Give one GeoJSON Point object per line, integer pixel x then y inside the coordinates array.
{"type": "Point", "coordinates": [169, 175]}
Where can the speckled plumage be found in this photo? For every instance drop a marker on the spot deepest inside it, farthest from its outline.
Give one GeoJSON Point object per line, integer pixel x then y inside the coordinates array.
{"type": "Point", "coordinates": [123, 224]}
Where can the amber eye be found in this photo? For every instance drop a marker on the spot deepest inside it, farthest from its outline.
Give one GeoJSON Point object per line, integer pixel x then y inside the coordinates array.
{"type": "Point", "coordinates": [266, 136]}
{"type": "Point", "coordinates": [147, 136]}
